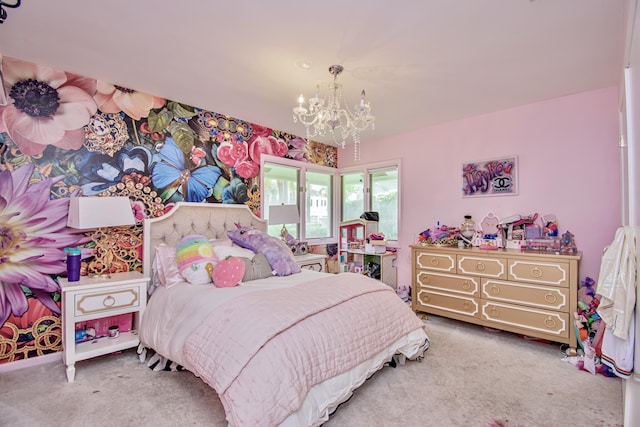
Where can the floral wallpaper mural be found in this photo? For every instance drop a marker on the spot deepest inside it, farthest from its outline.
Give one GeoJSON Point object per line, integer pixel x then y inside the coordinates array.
{"type": "Point", "coordinates": [65, 135]}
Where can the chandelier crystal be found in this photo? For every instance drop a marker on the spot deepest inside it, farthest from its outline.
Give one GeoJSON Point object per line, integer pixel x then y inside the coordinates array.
{"type": "Point", "coordinates": [327, 116]}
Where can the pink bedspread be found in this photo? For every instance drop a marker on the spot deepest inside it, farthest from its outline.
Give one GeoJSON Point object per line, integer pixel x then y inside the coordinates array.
{"type": "Point", "coordinates": [262, 352]}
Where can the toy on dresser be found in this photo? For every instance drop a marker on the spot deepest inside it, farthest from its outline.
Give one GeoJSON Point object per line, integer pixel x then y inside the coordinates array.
{"type": "Point", "coordinates": [568, 243]}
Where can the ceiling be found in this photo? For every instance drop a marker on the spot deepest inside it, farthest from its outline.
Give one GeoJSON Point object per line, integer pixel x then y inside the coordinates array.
{"type": "Point", "coordinates": [422, 62]}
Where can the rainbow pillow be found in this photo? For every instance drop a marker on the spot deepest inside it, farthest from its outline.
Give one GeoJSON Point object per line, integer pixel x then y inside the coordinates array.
{"type": "Point", "coordinates": [196, 258]}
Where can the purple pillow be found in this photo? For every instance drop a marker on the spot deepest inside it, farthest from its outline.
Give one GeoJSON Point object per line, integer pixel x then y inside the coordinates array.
{"type": "Point", "coordinates": [278, 254]}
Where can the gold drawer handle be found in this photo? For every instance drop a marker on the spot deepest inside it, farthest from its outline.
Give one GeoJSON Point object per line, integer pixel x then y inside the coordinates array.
{"type": "Point", "coordinates": [550, 298]}
{"type": "Point", "coordinates": [434, 261]}
{"type": "Point", "coordinates": [536, 272]}
{"type": "Point", "coordinates": [426, 298]}
{"type": "Point", "coordinates": [480, 266]}
{"type": "Point", "coordinates": [494, 312]}
{"type": "Point", "coordinates": [550, 322]}
{"type": "Point", "coordinates": [109, 301]}
{"type": "Point", "coordinates": [466, 285]}
{"type": "Point", "coordinates": [467, 305]}
{"type": "Point", "coordinates": [494, 290]}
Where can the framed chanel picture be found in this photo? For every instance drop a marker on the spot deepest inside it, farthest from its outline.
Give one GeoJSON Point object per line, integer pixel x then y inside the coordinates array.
{"type": "Point", "coordinates": [496, 177]}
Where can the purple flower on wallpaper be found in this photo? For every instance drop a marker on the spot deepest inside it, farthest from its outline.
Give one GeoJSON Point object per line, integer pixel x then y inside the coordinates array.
{"type": "Point", "coordinates": [46, 107]}
{"type": "Point", "coordinates": [33, 235]}
{"type": "Point", "coordinates": [299, 149]}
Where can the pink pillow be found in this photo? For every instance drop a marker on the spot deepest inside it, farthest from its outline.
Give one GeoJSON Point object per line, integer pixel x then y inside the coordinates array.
{"type": "Point", "coordinates": [165, 266]}
{"type": "Point", "coordinates": [228, 272]}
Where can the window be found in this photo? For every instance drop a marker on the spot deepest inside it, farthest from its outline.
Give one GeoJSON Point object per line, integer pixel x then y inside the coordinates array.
{"type": "Point", "coordinates": [318, 216]}
{"type": "Point", "coordinates": [381, 184]}
{"type": "Point", "coordinates": [310, 187]}
{"type": "Point", "coordinates": [280, 188]}
{"type": "Point", "coordinates": [352, 186]}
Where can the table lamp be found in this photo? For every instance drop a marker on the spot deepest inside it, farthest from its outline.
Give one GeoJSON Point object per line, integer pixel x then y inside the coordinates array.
{"type": "Point", "coordinates": [283, 214]}
{"type": "Point", "coordinates": [100, 213]}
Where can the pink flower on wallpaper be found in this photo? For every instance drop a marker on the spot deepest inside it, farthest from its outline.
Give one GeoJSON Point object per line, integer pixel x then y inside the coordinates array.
{"type": "Point", "coordinates": [257, 130]}
{"type": "Point", "coordinates": [266, 145]}
{"type": "Point", "coordinates": [113, 99]}
{"type": "Point", "coordinates": [232, 153]}
{"type": "Point", "coordinates": [197, 154]}
{"type": "Point", "coordinates": [247, 169]}
{"type": "Point", "coordinates": [46, 107]}
{"type": "Point", "coordinates": [33, 235]}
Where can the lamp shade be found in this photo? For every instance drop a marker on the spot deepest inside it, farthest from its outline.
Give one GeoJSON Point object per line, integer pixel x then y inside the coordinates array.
{"type": "Point", "coordinates": [94, 212]}
{"type": "Point", "coordinates": [283, 214]}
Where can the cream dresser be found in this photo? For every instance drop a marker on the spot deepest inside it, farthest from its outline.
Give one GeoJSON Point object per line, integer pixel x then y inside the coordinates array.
{"type": "Point", "coordinates": [534, 294]}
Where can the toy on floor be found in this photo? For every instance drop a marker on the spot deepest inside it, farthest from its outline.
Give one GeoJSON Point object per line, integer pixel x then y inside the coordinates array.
{"type": "Point", "coordinates": [404, 292]}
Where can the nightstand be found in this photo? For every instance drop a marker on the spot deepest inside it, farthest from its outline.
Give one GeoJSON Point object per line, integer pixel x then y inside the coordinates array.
{"type": "Point", "coordinates": [315, 262]}
{"type": "Point", "coordinates": [94, 298]}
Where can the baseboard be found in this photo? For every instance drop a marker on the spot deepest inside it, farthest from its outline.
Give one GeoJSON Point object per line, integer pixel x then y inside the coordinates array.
{"type": "Point", "coordinates": [30, 362]}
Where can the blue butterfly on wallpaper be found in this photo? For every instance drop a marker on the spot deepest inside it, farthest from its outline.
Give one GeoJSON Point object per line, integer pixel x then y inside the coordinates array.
{"type": "Point", "coordinates": [171, 175]}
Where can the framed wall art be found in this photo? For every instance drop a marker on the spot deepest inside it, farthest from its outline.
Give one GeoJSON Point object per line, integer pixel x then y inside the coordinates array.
{"type": "Point", "coordinates": [496, 177]}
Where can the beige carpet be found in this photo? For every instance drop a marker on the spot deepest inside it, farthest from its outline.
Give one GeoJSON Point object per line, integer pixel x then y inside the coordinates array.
{"type": "Point", "coordinates": [470, 377]}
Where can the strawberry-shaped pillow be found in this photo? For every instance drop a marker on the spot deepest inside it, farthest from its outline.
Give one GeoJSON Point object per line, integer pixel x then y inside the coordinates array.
{"type": "Point", "coordinates": [228, 272]}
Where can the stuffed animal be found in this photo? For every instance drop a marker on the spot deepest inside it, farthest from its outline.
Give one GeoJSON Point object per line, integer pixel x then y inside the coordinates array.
{"type": "Point", "coordinates": [196, 258]}
{"type": "Point", "coordinates": [274, 250]}
{"type": "Point", "coordinates": [228, 272]}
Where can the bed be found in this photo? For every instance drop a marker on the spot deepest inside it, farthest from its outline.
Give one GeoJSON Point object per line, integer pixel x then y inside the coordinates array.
{"type": "Point", "coordinates": [282, 350]}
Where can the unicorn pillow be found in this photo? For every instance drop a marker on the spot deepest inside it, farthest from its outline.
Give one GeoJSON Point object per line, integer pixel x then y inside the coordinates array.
{"type": "Point", "coordinates": [278, 254]}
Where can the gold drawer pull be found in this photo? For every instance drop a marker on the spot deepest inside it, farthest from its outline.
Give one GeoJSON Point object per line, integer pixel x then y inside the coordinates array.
{"type": "Point", "coordinates": [494, 290]}
{"type": "Point", "coordinates": [494, 312]}
{"type": "Point", "coordinates": [550, 322]}
{"type": "Point", "coordinates": [466, 285]}
{"type": "Point", "coordinates": [426, 298]}
{"type": "Point", "coordinates": [536, 272]}
{"type": "Point", "coordinates": [434, 261]}
{"type": "Point", "coordinates": [550, 298]}
{"type": "Point", "coordinates": [109, 301]}
{"type": "Point", "coordinates": [480, 266]}
{"type": "Point", "coordinates": [467, 305]}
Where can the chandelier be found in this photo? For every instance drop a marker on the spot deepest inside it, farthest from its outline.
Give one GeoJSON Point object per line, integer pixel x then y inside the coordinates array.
{"type": "Point", "coordinates": [328, 116]}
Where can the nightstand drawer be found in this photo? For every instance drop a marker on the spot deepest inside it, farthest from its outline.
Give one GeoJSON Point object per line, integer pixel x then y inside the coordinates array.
{"type": "Point", "coordinates": [104, 301]}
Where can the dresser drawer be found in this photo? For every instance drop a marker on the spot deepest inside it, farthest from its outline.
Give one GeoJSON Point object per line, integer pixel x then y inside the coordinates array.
{"type": "Point", "coordinates": [104, 301]}
{"type": "Point", "coordinates": [442, 301]}
{"type": "Point", "coordinates": [485, 267]}
{"type": "Point", "coordinates": [547, 273]}
{"type": "Point", "coordinates": [552, 298]}
{"type": "Point", "coordinates": [438, 262]}
{"type": "Point", "coordinates": [526, 320]}
{"type": "Point", "coordinates": [449, 282]}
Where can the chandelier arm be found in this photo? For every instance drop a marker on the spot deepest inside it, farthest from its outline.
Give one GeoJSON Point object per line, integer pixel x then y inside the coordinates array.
{"type": "Point", "coordinates": [325, 115]}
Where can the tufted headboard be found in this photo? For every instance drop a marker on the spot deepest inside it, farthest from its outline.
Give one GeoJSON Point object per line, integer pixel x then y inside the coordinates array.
{"type": "Point", "coordinates": [209, 219]}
